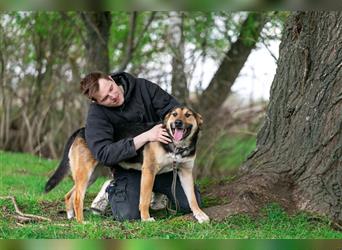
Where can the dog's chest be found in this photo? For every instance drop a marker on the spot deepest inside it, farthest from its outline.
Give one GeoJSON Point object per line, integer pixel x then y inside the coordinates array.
{"type": "Point", "coordinates": [170, 160]}
{"type": "Point", "coordinates": [164, 164]}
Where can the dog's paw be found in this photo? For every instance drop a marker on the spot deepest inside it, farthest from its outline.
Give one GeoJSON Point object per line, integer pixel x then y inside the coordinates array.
{"type": "Point", "coordinates": [201, 217]}
{"type": "Point", "coordinates": [148, 219]}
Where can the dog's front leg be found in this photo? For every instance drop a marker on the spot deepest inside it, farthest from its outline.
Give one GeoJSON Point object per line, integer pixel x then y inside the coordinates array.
{"type": "Point", "coordinates": [147, 180]}
{"type": "Point", "coordinates": [187, 181]}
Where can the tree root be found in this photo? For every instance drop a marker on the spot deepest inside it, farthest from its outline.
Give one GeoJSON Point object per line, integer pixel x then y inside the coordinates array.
{"type": "Point", "coordinates": [248, 195]}
{"type": "Point", "coordinates": [22, 217]}
{"type": "Point", "coordinates": [217, 213]}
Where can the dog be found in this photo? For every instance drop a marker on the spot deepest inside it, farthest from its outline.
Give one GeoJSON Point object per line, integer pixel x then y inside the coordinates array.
{"type": "Point", "coordinates": [183, 126]}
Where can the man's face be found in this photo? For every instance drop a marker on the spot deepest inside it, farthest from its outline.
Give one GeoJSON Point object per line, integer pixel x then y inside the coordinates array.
{"type": "Point", "coordinates": [109, 93]}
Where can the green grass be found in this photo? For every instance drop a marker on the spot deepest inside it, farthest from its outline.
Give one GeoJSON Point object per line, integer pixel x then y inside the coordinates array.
{"type": "Point", "coordinates": [230, 152]}
{"type": "Point", "coordinates": [227, 154]}
{"type": "Point", "coordinates": [24, 177]}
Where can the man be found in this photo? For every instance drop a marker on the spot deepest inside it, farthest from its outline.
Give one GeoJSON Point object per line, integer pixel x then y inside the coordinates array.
{"type": "Point", "coordinates": [121, 99]}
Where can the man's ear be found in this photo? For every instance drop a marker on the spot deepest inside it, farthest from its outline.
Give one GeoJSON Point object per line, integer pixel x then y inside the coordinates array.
{"type": "Point", "coordinates": [199, 120]}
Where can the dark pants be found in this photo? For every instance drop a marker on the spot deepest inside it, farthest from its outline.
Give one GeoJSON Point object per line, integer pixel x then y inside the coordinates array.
{"type": "Point", "coordinates": [124, 193]}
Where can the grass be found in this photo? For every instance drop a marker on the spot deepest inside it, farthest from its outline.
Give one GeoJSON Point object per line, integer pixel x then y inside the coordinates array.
{"type": "Point", "coordinates": [24, 177]}
{"type": "Point", "coordinates": [227, 154]}
{"type": "Point", "coordinates": [232, 151]}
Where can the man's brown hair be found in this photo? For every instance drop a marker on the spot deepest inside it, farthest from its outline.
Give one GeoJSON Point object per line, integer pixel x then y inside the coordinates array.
{"type": "Point", "coordinates": [90, 83]}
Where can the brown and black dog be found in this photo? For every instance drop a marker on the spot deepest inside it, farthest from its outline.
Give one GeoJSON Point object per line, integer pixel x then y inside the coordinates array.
{"type": "Point", "coordinates": [183, 126]}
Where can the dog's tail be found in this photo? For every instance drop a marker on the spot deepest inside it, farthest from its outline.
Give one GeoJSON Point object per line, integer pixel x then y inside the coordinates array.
{"type": "Point", "coordinates": [64, 166]}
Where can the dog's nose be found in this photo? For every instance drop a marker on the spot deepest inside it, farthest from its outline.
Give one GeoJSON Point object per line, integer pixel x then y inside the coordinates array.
{"type": "Point", "coordinates": [178, 123]}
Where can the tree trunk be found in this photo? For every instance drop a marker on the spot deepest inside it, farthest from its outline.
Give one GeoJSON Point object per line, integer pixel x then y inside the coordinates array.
{"type": "Point", "coordinates": [178, 82]}
{"type": "Point", "coordinates": [219, 87]}
{"type": "Point", "coordinates": [98, 32]}
{"type": "Point", "coordinates": [298, 158]}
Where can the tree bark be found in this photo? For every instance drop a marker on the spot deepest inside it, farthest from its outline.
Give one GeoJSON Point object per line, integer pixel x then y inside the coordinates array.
{"type": "Point", "coordinates": [98, 32]}
{"type": "Point", "coordinates": [179, 84]}
{"type": "Point", "coordinates": [298, 158]}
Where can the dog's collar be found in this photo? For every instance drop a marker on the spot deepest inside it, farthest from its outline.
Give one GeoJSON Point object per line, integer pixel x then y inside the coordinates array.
{"type": "Point", "coordinates": [186, 151]}
{"type": "Point", "coordinates": [180, 151]}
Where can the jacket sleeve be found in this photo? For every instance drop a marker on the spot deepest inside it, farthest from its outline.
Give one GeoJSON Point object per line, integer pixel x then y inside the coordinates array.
{"type": "Point", "coordinates": [99, 135]}
{"type": "Point", "coordinates": [161, 100]}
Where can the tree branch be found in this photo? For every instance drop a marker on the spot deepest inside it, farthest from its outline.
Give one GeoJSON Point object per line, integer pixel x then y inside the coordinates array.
{"type": "Point", "coordinates": [132, 46]}
{"type": "Point", "coordinates": [90, 23]}
{"type": "Point", "coordinates": [130, 41]}
{"type": "Point", "coordinates": [65, 16]}
{"type": "Point", "coordinates": [153, 14]}
{"type": "Point", "coordinates": [219, 87]}
{"type": "Point", "coordinates": [21, 216]}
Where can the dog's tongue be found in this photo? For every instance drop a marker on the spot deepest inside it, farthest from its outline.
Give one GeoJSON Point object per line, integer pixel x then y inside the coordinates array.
{"type": "Point", "coordinates": [178, 135]}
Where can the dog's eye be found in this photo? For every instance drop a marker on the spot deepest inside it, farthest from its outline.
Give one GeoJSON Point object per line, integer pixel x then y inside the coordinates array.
{"type": "Point", "coordinates": [187, 115]}
{"type": "Point", "coordinates": [174, 114]}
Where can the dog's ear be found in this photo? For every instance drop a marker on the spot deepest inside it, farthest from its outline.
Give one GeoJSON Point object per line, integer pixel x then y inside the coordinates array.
{"type": "Point", "coordinates": [199, 119]}
{"type": "Point", "coordinates": [166, 117]}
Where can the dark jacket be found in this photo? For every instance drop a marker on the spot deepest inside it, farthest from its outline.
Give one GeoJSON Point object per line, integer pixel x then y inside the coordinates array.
{"type": "Point", "coordinates": [145, 102]}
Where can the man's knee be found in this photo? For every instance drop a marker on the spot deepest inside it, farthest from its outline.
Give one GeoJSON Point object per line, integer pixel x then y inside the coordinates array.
{"type": "Point", "coordinates": [123, 199]}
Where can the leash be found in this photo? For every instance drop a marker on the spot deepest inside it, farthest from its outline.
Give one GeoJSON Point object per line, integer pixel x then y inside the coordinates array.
{"type": "Point", "coordinates": [173, 186]}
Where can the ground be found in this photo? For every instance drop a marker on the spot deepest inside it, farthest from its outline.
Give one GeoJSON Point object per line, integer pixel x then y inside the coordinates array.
{"type": "Point", "coordinates": [24, 177]}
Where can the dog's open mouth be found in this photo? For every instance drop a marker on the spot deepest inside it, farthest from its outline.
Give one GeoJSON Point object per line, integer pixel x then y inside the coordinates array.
{"type": "Point", "coordinates": [179, 134]}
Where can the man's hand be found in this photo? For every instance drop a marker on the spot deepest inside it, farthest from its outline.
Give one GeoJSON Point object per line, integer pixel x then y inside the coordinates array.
{"type": "Point", "coordinates": [158, 133]}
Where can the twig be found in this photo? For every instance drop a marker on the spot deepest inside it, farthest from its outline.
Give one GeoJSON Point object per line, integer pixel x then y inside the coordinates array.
{"type": "Point", "coordinates": [268, 49]}
{"type": "Point", "coordinates": [23, 217]}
